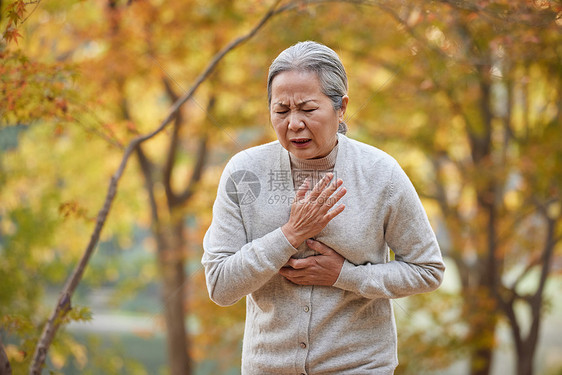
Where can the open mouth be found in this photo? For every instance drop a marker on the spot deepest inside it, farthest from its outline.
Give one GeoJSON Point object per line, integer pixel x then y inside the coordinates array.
{"type": "Point", "coordinates": [300, 141]}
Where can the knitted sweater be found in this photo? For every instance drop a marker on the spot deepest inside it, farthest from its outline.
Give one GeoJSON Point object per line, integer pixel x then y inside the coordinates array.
{"type": "Point", "coordinates": [313, 169]}
{"type": "Point", "coordinates": [347, 328]}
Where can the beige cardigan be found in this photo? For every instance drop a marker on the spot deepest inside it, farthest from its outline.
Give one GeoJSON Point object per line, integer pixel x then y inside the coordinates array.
{"type": "Point", "coordinates": [347, 328]}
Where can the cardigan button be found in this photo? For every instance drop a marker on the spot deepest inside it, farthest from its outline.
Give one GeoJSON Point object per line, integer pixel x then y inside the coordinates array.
{"type": "Point", "coordinates": [303, 345]}
{"type": "Point", "coordinates": [306, 309]}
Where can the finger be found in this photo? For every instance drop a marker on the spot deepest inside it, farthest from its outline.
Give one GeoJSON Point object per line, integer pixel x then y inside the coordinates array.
{"type": "Point", "coordinates": [335, 198]}
{"type": "Point", "coordinates": [286, 271]}
{"type": "Point", "coordinates": [301, 192]}
{"type": "Point", "coordinates": [296, 280]}
{"type": "Point", "coordinates": [326, 195]}
{"type": "Point", "coordinates": [334, 212]}
{"type": "Point", "coordinates": [318, 246]}
{"type": "Point", "coordinates": [321, 185]}
{"type": "Point", "coordinates": [330, 201]}
{"type": "Point", "coordinates": [296, 263]}
{"type": "Point", "coordinates": [291, 274]}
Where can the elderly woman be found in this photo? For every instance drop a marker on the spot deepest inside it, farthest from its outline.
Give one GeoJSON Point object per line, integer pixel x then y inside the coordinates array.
{"type": "Point", "coordinates": [302, 228]}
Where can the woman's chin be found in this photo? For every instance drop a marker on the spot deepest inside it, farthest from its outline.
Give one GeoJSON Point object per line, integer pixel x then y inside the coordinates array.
{"type": "Point", "coordinates": [304, 150]}
{"type": "Point", "coordinates": [302, 153]}
{"type": "Point", "coordinates": [307, 155]}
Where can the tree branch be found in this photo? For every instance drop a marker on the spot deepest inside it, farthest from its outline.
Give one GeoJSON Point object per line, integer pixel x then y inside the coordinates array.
{"type": "Point", "coordinates": [63, 305]}
{"type": "Point", "coordinates": [534, 300]}
{"type": "Point", "coordinates": [200, 161]}
{"type": "Point", "coordinates": [451, 217]}
{"type": "Point", "coordinates": [146, 168]}
{"type": "Point", "coordinates": [412, 31]}
{"type": "Point", "coordinates": [197, 171]}
{"type": "Point", "coordinates": [37, 2]}
{"type": "Point", "coordinates": [173, 147]}
{"type": "Point", "coordinates": [546, 261]}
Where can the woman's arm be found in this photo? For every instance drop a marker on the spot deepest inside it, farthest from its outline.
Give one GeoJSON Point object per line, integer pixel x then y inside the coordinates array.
{"type": "Point", "coordinates": [418, 266]}
{"type": "Point", "coordinates": [235, 267]}
{"type": "Point", "coordinates": [234, 271]}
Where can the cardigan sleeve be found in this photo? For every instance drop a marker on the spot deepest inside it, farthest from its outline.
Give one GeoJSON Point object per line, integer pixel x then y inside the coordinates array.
{"type": "Point", "coordinates": [234, 266]}
{"type": "Point", "coordinates": [418, 266]}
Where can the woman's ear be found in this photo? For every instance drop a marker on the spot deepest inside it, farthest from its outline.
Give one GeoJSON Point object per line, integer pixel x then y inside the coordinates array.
{"type": "Point", "coordinates": [344, 101]}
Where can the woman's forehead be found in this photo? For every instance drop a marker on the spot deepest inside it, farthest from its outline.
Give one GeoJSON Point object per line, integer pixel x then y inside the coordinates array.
{"type": "Point", "coordinates": [297, 87]}
{"type": "Point", "coordinates": [296, 79]}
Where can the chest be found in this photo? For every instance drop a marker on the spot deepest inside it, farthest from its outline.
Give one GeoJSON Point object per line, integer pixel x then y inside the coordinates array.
{"type": "Point", "coordinates": [357, 233]}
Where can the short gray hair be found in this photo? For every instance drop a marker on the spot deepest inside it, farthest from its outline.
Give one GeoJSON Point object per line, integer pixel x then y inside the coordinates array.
{"type": "Point", "coordinates": [320, 59]}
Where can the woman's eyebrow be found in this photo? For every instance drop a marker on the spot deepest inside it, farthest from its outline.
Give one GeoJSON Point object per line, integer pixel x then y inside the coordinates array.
{"type": "Point", "coordinates": [298, 104]}
{"type": "Point", "coordinates": [306, 101]}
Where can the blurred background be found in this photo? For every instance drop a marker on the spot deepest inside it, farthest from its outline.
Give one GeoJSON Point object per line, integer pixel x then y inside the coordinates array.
{"type": "Point", "coordinates": [466, 95]}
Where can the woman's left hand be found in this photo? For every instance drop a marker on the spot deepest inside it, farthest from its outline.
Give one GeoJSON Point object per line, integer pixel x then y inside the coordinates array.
{"type": "Point", "coordinates": [322, 269]}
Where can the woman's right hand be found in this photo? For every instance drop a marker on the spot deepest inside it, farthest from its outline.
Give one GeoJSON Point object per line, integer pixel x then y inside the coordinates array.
{"type": "Point", "coordinates": [310, 213]}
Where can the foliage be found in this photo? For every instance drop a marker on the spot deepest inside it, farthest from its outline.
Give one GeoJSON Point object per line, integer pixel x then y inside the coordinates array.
{"type": "Point", "coordinates": [465, 94]}
{"type": "Point", "coordinates": [15, 13]}
{"type": "Point", "coordinates": [32, 90]}
{"type": "Point", "coordinates": [431, 332]}
{"type": "Point", "coordinates": [480, 104]}
{"type": "Point", "coordinates": [45, 218]}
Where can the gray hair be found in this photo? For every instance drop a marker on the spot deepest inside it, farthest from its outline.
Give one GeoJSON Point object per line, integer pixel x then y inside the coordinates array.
{"type": "Point", "coordinates": [320, 59]}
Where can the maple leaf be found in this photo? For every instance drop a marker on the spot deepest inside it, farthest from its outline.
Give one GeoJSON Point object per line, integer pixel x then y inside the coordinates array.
{"type": "Point", "coordinates": [12, 34]}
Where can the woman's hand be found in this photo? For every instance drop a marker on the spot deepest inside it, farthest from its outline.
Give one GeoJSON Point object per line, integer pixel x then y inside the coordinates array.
{"type": "Point", "coordinates": [322, 269]}
{"type": "Point", "coordinates": [310, 213]}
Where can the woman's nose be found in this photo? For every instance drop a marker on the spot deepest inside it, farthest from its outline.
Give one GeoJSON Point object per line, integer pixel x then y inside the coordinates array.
{"type": "Point", "coordinates": [295, 122]}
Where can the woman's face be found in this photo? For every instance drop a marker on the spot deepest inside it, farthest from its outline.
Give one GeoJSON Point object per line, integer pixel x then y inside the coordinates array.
{"type": "Point", "coordinates": [303, 117]}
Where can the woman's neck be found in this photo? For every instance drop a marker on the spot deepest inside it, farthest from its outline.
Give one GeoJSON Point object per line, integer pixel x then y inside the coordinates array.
{"type": "Point", "coordinates": [314, 169]}
{"type": "Point", "coordinates": [321, 164]}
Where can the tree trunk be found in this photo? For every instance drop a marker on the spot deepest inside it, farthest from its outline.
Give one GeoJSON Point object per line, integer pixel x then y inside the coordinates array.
{"type": "Point", "coordinates": [480, 361]}
{"type": "Point", "coordinates": [5, 368]}
{"type": "Point", "coordinates": [482, 323]}
{"type": "Point", "coordinates": [171, 262]}
{"type": "Point", "coordinates": [525, 360]}
{"type": "Point", "coordinates": [527, 347]}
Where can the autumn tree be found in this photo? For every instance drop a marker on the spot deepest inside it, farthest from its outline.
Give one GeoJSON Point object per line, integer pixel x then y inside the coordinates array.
{"type": "Point", "coordinates": [136, 32]}
{"type": "Point", "coordinates": [124, 57]}
{"type": "Point", "coordinates": [465, 94]}
{"type": "Point", "coordinates": [482, 88]}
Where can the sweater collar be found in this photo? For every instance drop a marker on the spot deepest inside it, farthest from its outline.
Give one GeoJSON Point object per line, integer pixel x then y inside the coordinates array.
{"type": "Point", "coordinates": [320, 164]}
{"type": "Point", "coordinates": [284, 162]}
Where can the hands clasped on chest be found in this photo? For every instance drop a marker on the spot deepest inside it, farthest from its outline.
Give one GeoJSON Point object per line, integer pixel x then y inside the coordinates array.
{"type": "Point", "coordinates": [310, 213]}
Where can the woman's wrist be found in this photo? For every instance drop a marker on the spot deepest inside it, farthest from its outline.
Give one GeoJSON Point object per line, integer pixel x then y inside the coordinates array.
{"type": "Point", "coordinates": [294, 239]}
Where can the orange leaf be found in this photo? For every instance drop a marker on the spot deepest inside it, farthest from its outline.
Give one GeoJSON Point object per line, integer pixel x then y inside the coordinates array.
{"type": "Point", "coordinates": [12, 34]}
